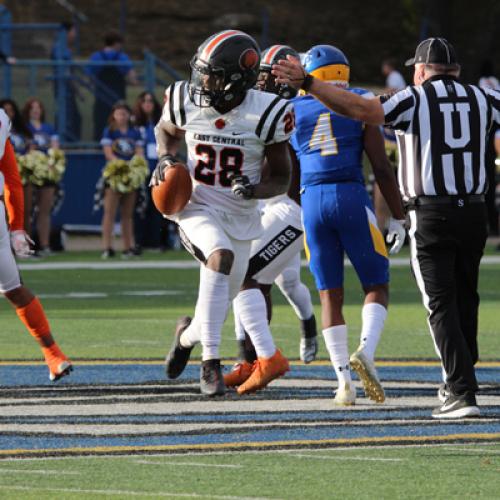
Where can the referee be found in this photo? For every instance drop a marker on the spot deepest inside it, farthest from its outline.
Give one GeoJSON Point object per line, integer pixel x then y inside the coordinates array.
{"type": "Point", "coordinates": [442, 127]}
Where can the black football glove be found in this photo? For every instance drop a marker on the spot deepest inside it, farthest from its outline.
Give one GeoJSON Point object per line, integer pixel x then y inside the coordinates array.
{"type": "Point", "coordinates": [241, 187]}
{"type": "Point", "coordinates": [158, 174]}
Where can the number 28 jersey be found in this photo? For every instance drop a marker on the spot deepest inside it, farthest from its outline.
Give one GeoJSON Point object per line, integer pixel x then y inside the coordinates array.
{"type": "Point", "coordinates": [222, 145]}
{"type": "Point", "coordinates": [328, 146]}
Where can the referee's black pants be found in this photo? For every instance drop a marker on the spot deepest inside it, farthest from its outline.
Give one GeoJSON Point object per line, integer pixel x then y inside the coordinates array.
{"type": "Point", "coordinates": [447, 244]}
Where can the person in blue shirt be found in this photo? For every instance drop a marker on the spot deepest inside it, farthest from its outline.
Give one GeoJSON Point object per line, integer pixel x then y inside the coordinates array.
{"type": "Point", "coordinates": [44, 138]}
{"type": "Point", "coordinates": [120, 140]}
{"type": "Point", "coordinates": [72, 130]}
{"type": "Point", "coordinates": [110, 80]}
{"type": "Point", "coordinates": [339, 219]}
{"type": "Point", "coordinates": [153, 229]}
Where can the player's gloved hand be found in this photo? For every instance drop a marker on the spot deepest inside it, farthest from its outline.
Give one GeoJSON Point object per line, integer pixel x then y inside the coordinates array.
{"type": "Point", "coordinates": [396, 235]}
{"type": "Point", "coordinates": [21, 243]}
{"type": "Point", "coordinates": [158, 174]}
{"type": "Point", "coordinates": [241, 187]}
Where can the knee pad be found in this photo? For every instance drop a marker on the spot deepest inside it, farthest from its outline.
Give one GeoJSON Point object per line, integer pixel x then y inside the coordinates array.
{"type": "Point", "coordinates": [288, 280]}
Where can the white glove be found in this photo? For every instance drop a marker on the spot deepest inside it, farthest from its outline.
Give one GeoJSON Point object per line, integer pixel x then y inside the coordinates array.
{"type": "Point", "coordinates": [21, 243]}
{"type": "Point", "coordinates": [396, 235]}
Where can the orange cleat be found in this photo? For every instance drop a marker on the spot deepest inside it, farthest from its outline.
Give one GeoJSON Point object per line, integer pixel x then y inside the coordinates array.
{"type": "Point", "coordinates": [59, 365]}
{"type": "Point", "coordinates": [239, 374]}
{"type": "Point", "coordinates": [60, 369]}
{"type": "Point", "coordinates": [266, 369]}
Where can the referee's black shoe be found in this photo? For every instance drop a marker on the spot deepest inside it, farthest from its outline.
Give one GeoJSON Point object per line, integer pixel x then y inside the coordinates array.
{"type": "Point", "coordinates": [178, 356]}
{"type": "Point", "coordinates": [463, 406]}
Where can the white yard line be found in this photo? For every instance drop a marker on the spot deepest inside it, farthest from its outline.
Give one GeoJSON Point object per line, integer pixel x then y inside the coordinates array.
{"type": "Point", "coordinates": [179, 264]}
{"type": "Point", "coordinates": [128, 493]}
{"type": "Point", "coordinates": [475, 450]}
{"type": "Point", "coordinates": [43, 472]}
{"type": "Point", "coordinates": [189, 464]}
{"type": "Point", "coordinates": [369, 459]}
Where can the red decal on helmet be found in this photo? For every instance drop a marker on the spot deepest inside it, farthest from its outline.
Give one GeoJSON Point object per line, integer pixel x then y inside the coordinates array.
{"type": "Point", "coordinates": [249, 59]}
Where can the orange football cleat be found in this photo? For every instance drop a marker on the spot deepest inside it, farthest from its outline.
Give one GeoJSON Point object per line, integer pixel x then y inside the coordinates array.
{"type": "Point", "coordinates": [59, 365]}
{"type": "Point", "coordinates": [239, 374]}
{"type": "Point", "coordinates": [266, 369]}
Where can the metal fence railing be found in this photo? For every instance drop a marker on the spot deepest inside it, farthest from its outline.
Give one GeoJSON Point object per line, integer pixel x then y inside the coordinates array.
{"type": "Point", "coordinates": [52, 80]}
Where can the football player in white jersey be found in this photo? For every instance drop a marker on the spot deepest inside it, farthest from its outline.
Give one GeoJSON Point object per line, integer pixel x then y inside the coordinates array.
{"type": "Point", "coordinates": [14, 237]}
{"type": "Point", "coordinates": [275, 256]}
{"type": "Point", "coordinates": [230, 129]}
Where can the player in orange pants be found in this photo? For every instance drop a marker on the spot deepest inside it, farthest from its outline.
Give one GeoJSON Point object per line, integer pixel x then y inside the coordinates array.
{"type": "Point", "coordinates": [13, 237]}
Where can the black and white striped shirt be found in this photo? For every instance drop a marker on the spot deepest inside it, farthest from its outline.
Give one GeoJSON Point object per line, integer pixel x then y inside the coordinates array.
{"type": "Point", "coordinates": [442, 128]}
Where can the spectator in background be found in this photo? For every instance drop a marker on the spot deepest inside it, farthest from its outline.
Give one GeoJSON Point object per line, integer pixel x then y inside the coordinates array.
{"type": "Point", "coordinates": [44, 138]}
{"type": "Point", "coordinates": [22, 141]}
{"type": "Point", "coordinates": [120, 141]}
{"type": "Point", "coordinates": [146, 114]}
{"type": "Point", "coordinates": [73, 116]}
{"type": "Point", "coordinates": [394, 80]}
{"type": "Point", "coordinates": [110, 80]}
{"type": "Point", "coordinates": [487, 80]}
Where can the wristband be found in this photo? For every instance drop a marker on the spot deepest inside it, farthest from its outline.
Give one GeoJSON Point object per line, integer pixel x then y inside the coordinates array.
{"type": "Point", "coordinates": [306, 84]}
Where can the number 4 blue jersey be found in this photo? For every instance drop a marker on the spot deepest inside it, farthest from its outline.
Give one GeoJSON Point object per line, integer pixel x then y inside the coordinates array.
{"type": "Point", "coordinates": [329, 147]}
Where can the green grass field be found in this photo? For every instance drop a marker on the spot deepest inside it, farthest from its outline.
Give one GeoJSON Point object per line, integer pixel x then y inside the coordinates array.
{"type": "Point", "coordinates": [120, 324]}
{"type": "Point", "coordinates": [445, 472]}
{"type": "Point", "coordinates": [124, 322]}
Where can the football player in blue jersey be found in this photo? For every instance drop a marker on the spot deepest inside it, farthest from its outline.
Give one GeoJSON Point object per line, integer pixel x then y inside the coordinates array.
{"type": "Point", "coordinates": [339, 219]}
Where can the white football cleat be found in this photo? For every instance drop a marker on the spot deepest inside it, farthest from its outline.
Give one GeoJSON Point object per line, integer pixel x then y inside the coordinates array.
{"type": "Point", "coordinates": [365, 368]}
{"type": "Point", "coordinates": [345, 395]}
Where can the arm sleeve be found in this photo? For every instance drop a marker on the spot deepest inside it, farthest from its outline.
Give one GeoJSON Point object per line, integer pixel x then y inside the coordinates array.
{"type": "Point", "coordinates": [398, 109]}
{"type": "Point", "coordinates": [14, 194]}
{"type": "Point", "coordinates": [106, 138]}
{"type": "Point", "coordinates": [282, 125]}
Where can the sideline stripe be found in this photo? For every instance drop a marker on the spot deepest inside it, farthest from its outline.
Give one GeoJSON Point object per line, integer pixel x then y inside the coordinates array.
{"type": "Point", "coordinates": [122, 493]}
{"type": "Point", "coordinates": [181, 448]}
{"type": "Point", "coordinates": [155, 362]}
{"type": "Point", "coordinates": [181, 264]}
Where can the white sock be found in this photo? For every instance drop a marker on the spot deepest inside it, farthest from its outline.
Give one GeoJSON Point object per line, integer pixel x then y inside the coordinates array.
{"type": "Point", "coordinates": [250, 307]}
{"type": "Point", "coordinates": [296, 293]}
{"type": "Point", "coordinates": [336, 344]}
{"type": "Point", "coordinates": [211, 310]}
{"type": "Point", "coordinates": [373, 316]}
{"type": "Point", "coordinates": [238, 325]}
{"type": "Point", "coordinates": [191, 335]}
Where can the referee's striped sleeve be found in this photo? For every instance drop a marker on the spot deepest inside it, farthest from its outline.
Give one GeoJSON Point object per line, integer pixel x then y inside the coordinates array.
{"type": "Point", "coordinates": [494, 100]}
{"type": "Point", "coordinates": [398, 109]}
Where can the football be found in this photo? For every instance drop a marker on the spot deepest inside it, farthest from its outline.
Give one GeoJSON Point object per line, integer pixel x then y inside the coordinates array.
{"type": "Point", "coordinates": [173, 194]}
